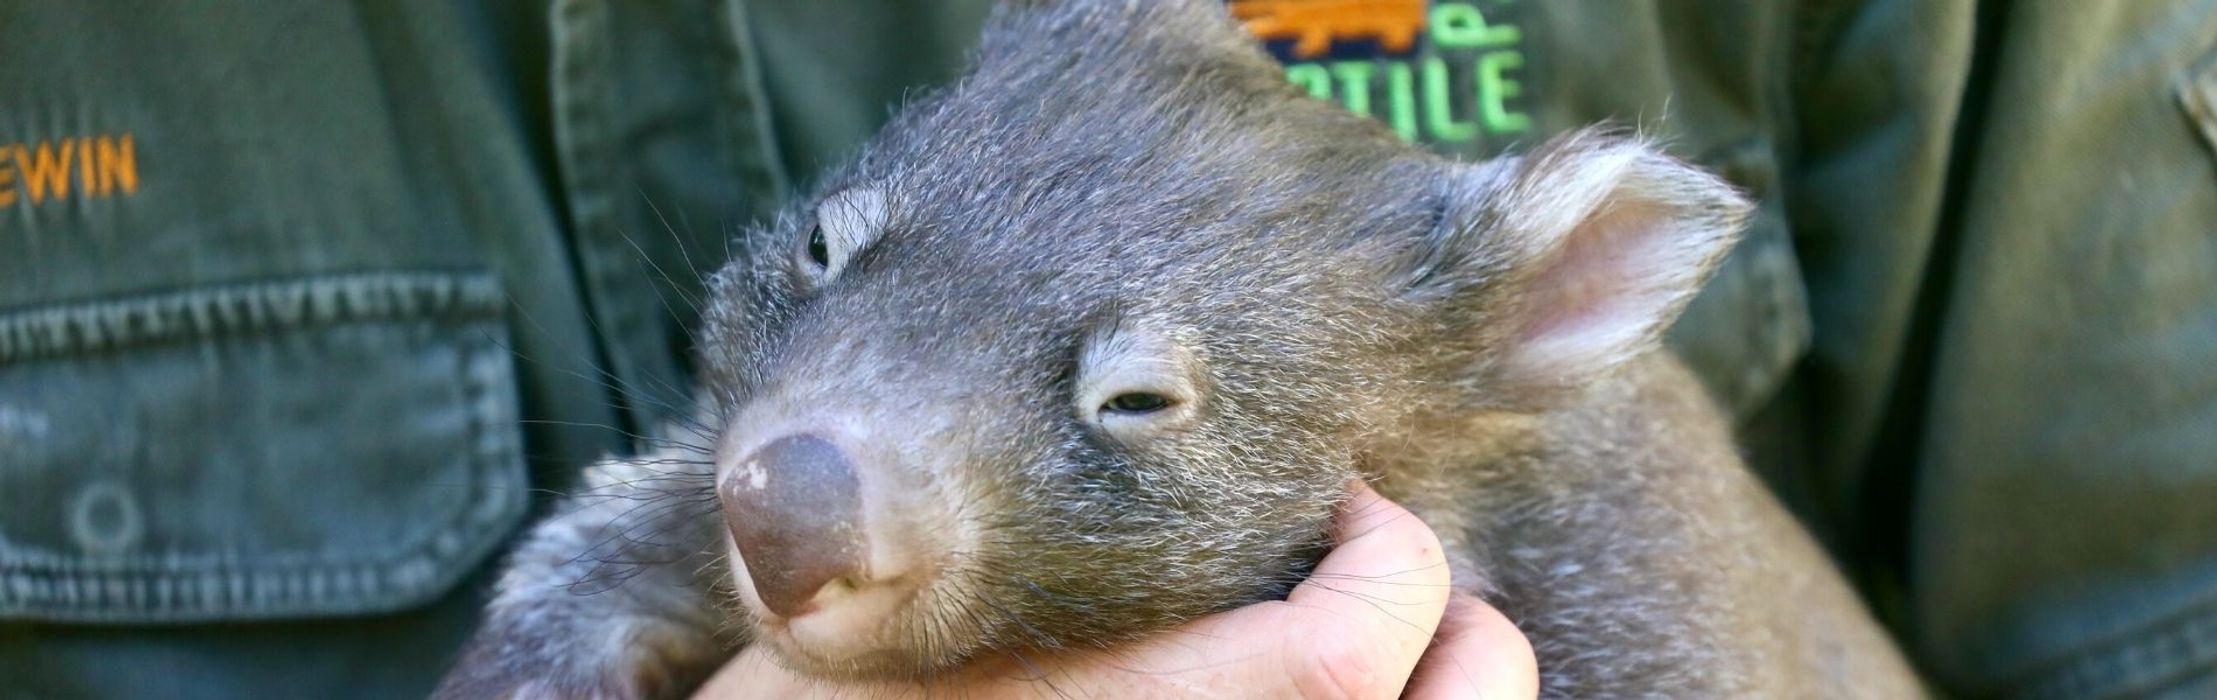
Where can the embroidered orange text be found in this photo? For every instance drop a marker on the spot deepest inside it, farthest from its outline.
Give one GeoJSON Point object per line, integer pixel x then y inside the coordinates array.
{"type": "Point", "coordinates": [85, 167]}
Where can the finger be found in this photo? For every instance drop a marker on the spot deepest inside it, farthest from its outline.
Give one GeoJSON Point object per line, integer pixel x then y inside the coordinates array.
{"type": "Point", "coordinates": [1478, 653]}
{"type": "Point", "coordinates": [1382, 554]}
{"type": "Point", "coordinates": [755, 674]}
{"type": "Point", "coordinates": [752, 674]}
{"type": "Point", "coordinates": [1360, 623]}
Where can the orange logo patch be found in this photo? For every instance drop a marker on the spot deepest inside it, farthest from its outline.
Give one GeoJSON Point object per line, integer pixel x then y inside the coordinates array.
{"type": "Point", "coordinates": [51, 171]}
{"type": "Point", "coordinates": [1314, 24]}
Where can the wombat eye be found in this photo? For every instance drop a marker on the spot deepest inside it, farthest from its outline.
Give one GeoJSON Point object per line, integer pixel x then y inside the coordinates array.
{"type": "Point", "coordinates": [1137, 402]}
{"type": "Point", "coordinates": [819, 251]}
{"type": "Point", "coordinates": [844, 224]}
{"type": "Point", "coordinates": [1135, 384]}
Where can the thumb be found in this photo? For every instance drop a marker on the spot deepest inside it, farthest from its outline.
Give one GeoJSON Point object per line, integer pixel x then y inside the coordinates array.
{"type": "Point", "coordinates": [1478, 653]}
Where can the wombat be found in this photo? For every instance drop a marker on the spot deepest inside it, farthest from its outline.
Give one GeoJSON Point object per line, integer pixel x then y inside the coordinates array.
{"type": "Point", "coordinates": [1092, 342]}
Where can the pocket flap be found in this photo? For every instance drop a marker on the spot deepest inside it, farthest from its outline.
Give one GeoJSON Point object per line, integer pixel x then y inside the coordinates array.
{"type": "Point", "coordinates": [320, 446]}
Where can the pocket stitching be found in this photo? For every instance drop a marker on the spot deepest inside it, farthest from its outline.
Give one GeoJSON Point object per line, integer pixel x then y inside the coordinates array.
{"type": "Point", "coordinates": [44, 585]}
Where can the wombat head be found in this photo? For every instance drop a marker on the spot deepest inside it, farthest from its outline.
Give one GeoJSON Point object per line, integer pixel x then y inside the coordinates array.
{"type": "Point", "coordinates": [1093, 341]}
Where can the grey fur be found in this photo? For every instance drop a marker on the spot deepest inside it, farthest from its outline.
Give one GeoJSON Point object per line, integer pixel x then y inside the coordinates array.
{"type": "Point", "coordinates": [1351, 306]}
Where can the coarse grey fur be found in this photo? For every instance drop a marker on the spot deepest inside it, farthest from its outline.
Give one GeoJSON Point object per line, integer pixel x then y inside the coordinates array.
{"type": "Point", "coordinates": [1479, 340]}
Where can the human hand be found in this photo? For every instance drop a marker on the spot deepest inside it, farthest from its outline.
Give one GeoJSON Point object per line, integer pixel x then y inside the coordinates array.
{"type": "Point", "coordinates": [1376, 620]}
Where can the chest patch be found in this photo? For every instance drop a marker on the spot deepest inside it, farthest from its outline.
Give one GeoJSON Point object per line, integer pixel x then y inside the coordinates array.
{"type": "Point", "coordinates": [1443, 71]}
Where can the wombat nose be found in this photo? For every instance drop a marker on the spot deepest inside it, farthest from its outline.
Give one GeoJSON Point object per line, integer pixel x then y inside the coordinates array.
{"type": "Point", "coordinates": [794, 507]}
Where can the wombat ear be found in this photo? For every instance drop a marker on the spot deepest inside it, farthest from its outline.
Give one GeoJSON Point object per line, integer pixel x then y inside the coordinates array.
{"type": "Point", "coordinates": [1566, 262]}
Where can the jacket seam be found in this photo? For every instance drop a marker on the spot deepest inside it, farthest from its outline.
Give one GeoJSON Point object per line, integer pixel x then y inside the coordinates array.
{"type": "Point", "coordinates": [78, 328]}
{"type": "Point", "coordinates": [2141, 661]}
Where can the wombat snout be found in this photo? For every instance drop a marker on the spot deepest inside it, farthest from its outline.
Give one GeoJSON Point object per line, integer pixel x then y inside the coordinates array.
{"type": "Point", "coordinates": [832, 539]}
{"type": "Point", "coordinates": [794, 507]}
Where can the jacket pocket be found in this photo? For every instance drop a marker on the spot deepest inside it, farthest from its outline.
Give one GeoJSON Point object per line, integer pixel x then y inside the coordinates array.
{"type": "Point", "coordinates": [322, 445]}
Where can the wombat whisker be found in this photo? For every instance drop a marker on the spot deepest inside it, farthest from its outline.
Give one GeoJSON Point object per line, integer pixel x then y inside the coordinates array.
{"type": "Point", "coordinates": [656, 512]}
{"type": "Point", "coordinates": [940, 634]}
{"type": "Point", "coordinates": [675, 317]}
{"type": "Point", "coordinates": [714, 564]}
{"type": "Point", "coordinates": [1034, 673]}
{"type": "Point", "coordinates": [608, 574]}
{"type": "Point", "coordinates": [613, 384]}
{"type": "Point", "coordinates": [947, 634]}
{"type": "Point", "coordinates": [685, 252]}
{"type": "Point", "coordinates": [643, 496]}
{"type": "Point", "coordinates": [959, 608]}
{"type": "Point", "coordinates": [1376, 578]}
{"type": "Point", "coordinates": [654, 509]}
{"type": "Point", "coordinates": [1042, 592]}
{"type": "Point", "coordinates": [673, 461]}
{"type": "Point", "coordinates": [556, 493]}
{"type": "Point", "coordinates": [928, 634]}
{"type": "Point", "coordinates": [1043, 640]}
{"type": "Point", "coordinates": [1365, 511]}
{"type": "Point", "coordinates": [654, 483]}
{"type": "Point", "coordinates": [690, 477]}
{"type": "Point", "coordinates": [650, 486]}
{"type": "Point", "coordinates": [1422, 674]}
{"type": "Point", "coordinates": [607, 380]}
{"type": "Point", "coordinates": [1374, 527]}
{"type": "Point", "coordinates": [641, 561]}
{"type": "Point", "coordinates": [670, 407]}
{"type": "Point", "coordinates": [692, 425]}
{"type": "Point", "coordinates": [616, 570]}
{"type": "Point", "coordinates": [1373, 582]}
{"type": "Point", "coordinates": [1175, 670]}
{"type": "Point", "coordinates": [1378, 598]}
{"type": "Point", "coordinates": [687, 256]}
{"type": "Point", "coordinates": [1374, 602]}
{"type": "Point", "coordinates": [642, 439]}
{"type": "Point", "coordinates": [589, 584]}
{"type": "Point", "coordinates": [591, 502]}
{"type": "Point", "coordinates": [643, 491]}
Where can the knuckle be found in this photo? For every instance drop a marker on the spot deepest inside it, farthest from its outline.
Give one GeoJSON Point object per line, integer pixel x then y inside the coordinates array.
{"type": "Point", "coordinates": [1331, 667]}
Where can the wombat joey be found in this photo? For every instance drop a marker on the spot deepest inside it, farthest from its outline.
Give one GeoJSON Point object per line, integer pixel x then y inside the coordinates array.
{"type": "Point", "coordinates": [1092, 342]}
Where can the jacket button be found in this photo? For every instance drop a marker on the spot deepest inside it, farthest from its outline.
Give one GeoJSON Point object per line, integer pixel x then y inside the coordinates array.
{"type": "Point", "coordinates": [105, 519]}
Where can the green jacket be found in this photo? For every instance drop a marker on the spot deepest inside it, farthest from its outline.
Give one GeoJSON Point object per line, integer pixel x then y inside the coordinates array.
{"type": "Point", "coordinates": [305, 307]}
